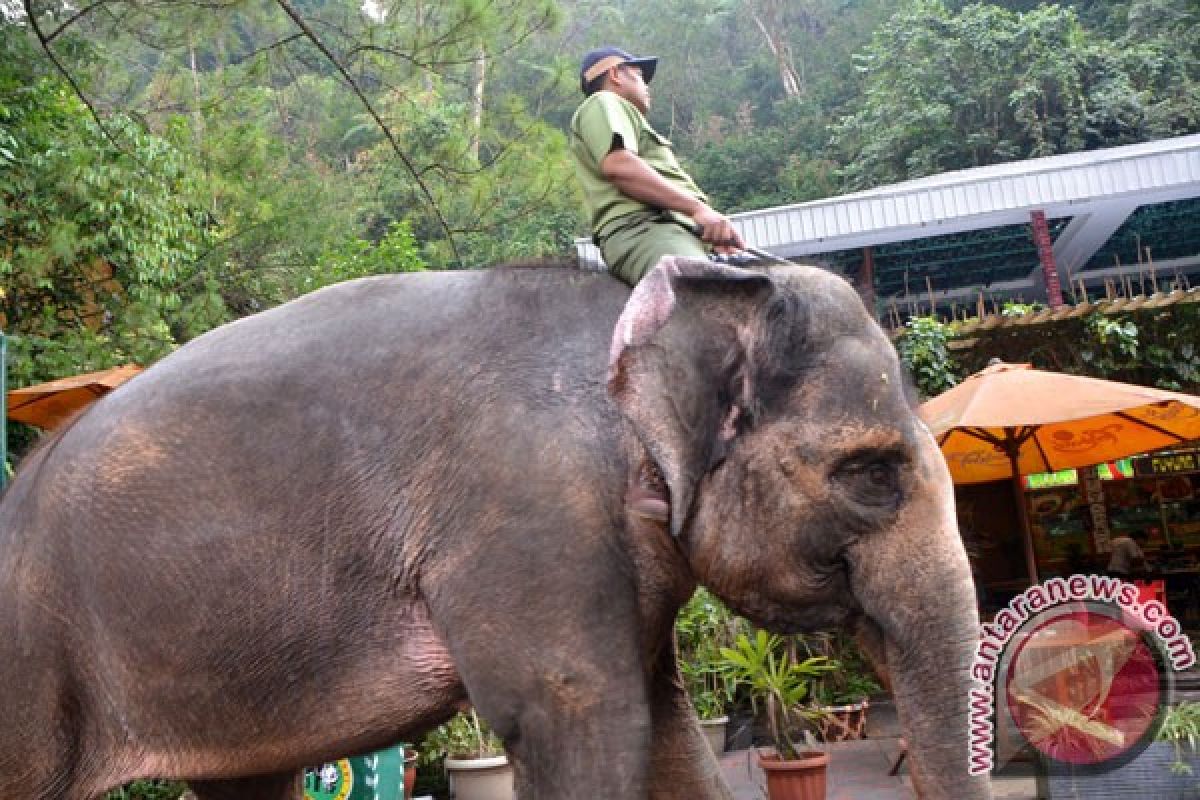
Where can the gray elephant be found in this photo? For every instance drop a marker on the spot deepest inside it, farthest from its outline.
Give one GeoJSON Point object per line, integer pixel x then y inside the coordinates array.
{"type": "Point", "coordinates": [315, 531]}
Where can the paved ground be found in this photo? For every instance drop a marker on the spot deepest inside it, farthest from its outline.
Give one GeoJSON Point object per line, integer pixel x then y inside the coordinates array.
{"type": "Point", "coordinates": [858, 770]}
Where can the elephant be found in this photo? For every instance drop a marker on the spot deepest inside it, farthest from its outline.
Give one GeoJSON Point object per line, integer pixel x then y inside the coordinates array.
{"type": "Point", "coordinates": [319, 530]}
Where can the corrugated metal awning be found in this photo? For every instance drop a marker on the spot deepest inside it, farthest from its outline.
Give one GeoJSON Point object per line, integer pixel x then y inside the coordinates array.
{"type": "Point", "coordinates": [985, 197]}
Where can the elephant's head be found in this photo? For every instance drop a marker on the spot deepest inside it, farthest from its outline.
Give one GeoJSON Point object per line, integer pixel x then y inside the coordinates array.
{"type": "Point", "coordinates": [804, 490]}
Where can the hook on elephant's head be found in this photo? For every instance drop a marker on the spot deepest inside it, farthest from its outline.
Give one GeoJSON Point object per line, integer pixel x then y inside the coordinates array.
{"type": "Point", "coordinates": [689, 357]}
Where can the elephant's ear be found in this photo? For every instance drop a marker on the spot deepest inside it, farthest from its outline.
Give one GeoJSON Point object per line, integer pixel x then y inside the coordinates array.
{"type": "Point", "coordinates": [678, 366]}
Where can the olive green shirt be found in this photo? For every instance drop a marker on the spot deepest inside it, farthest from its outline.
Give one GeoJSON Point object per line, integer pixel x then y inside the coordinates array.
{"type": "Point", "coordinates": [597, 123]}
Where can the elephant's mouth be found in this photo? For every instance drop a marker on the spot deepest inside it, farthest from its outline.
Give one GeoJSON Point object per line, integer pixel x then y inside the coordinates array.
{"type": "Point", "coordinates": [822, 601]}
{"type": "Point", "coordinates": [810, 619]}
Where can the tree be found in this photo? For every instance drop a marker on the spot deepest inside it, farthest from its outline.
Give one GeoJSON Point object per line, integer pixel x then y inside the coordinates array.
{"type": "Point", "coordinates": [99, 233]}
{"type": "Point", "coordinates": [944, 91]}
{"type": "Point", "coordinates": [371, 57]}
{"type": "Point", "coordinates": [768, 16]}
{"type": "Point", "coordinates": [748, 165]}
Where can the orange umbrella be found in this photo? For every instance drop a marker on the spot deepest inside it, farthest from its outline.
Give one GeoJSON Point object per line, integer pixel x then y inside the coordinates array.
{"type": "Point", "coordinates": [48, 405]}
{"type": "Point", "coordinates": [1011, 420]}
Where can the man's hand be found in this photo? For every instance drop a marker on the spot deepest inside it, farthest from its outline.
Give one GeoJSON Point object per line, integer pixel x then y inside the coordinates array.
{"type": "Point", "coordinates": [716, 229]}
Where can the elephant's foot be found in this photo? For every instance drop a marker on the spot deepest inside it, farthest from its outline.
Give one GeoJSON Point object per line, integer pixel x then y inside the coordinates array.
{"type": "Point", "coordinates": [647, 497]}
{"type": "Point", "coordinates": [280, 786]}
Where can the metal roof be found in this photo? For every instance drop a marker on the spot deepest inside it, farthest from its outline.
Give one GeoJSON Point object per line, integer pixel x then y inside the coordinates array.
{"type": "Point", "coordinates": [984, 197]}
{"type": "Point", "coordinates": [1110, 212]}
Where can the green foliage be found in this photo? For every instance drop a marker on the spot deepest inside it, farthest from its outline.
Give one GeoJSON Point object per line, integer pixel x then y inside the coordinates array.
{"type": "Point", "coordinates": [924, 350]}
{"type": "Point", "coordinates": [944, 91]}
{"type": "Point", "coordinates": [747, 165]}
{"type": "Point", "coordinates": [1112, 344]}
{"type": "Point", "coordinates": [147, 790]}
{"type": "Point", "coordinates": [1149, 348]}
{"type": "Point", "coordinates": [98, 234]}
{"type": "Point", "coordinates": [398, 251]}
{"type": "Point", "coordinates": [852, 680]}
{"type": "Point", "coordinates": [1181, 727]}
{"type": "Point", "coordinates": [273, 190]}
{"type": "Point", "coordinates": [520, 203]}
{"type": "Point", "coordinates": [776, 678]}
{"type": "Point", "coordinates": [1174, 361]}
{"type": "Point", "coordinates": [465, 736]}
{"type": "Point", "coordinates": [1014, 309]}
{"type": "Point", "coordinates": [704, 625]}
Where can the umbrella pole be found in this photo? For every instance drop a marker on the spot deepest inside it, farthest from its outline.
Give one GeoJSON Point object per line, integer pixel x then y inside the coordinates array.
{"type": "Point", "coordinates": [1023, 519]}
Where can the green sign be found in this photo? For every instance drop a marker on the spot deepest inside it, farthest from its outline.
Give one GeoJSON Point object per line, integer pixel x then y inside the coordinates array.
{"type": "Point", "coordinates": [1046, 480]}
{"type": "Point", "coordinates": [1108, 471]}
{"type": "Point", "coordinates": [378, 776]}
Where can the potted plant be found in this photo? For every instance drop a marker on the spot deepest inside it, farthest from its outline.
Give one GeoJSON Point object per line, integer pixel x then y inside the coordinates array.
{"type": "Point", "coordinates": [1181, 729]}
{"type": "Point", "coordinates": [710, 707]}
{"type": "Point", "coordinates": [795, 767]}
{"type": "Point", "coordinates": [843, 694]}
{"type": "Point", "coordinates": [473, 757]}
{"type": "Point", "coordinates": [704, 625]}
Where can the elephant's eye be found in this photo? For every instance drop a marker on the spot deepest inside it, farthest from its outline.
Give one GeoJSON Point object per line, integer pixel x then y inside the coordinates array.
{"type": "Point", "coordinates": [873, 479]}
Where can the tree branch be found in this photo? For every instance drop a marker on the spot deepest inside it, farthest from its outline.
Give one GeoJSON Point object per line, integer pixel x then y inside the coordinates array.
{"type": "Point", "coordinates": [72, 20]}
{"type": "Point", "coordinates": [75, 87]}
{"type": "Point", "coordinates": [387, 132]}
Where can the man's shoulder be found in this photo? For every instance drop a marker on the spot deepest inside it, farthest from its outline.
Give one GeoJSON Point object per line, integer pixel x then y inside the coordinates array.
{"type": "Point", "coordinates": [605, 104]}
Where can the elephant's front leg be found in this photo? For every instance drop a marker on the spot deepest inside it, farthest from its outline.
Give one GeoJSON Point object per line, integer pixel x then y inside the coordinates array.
{"type": "Point", "coordinates": [584, 732]}
{"type": "Point", "coordinates": [558, 674]}
{"type": "Point", "coordinates": [683, 766]}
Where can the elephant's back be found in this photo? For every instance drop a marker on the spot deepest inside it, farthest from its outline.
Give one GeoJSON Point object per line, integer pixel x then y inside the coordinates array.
{"type": "Point", "coordinates": [386, 336]}
{"type": "Point", "coordinates": [493, 314]}
{"type": "Point", "coordinates": [364, 382]}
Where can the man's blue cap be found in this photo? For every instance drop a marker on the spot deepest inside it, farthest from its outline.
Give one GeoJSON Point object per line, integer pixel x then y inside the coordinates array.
{"type": "Point", "coordinates": [597, 62]}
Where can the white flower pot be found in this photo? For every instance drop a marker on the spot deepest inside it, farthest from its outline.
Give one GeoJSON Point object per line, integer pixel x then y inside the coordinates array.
{"type": "Point", "coordinates": [714, 731]}
{"type": "Point", "coordinates": [481, 778]}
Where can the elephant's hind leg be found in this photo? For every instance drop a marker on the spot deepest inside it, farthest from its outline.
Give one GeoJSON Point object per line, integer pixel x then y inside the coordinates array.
{"type": "Point", "coordinates": [280, 786]}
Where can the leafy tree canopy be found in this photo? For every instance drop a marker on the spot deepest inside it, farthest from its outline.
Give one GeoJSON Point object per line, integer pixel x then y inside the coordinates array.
{"type": "Point", "coordinates": [944, 91]}
{"type": "Point", "coordinates": [99, 230]}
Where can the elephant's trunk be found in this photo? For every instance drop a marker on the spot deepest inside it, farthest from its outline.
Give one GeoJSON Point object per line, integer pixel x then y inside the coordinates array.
{"type": "Point", "coordinates": [930, 689]}
{"type": "Point", "coordinates": [924, 627]}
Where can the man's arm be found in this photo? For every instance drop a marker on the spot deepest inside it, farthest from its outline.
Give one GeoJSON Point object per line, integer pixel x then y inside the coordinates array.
{"type": "Point", "coordinates": [634, 177]}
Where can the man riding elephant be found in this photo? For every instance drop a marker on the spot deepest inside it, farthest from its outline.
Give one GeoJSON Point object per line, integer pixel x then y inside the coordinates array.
{"type": "Point", "coordinates": [641, 204]}
{"type": "Point", "coordinates": [315, 531]}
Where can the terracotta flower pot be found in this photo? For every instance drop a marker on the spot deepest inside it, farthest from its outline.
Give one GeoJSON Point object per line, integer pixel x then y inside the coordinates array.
{"type": "Point", "coordinates": [802, 778]}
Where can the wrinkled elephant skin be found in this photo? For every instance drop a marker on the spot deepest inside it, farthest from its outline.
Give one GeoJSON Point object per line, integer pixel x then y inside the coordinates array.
{"type": "Point", "coordinates": [317, 531]}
